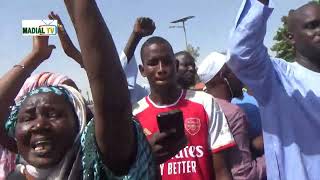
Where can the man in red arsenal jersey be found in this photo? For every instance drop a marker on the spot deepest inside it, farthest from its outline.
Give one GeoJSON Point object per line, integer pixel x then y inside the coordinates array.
{"type": "Point", "coordinates": [205, 125]}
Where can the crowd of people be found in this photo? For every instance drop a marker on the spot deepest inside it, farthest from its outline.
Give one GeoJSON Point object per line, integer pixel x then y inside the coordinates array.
{"type": "Point", "coordinates": [245, 115]}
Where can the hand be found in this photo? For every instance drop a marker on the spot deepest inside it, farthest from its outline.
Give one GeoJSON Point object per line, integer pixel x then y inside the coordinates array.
{"type": "Point", "coordinates": [164, 146]}
{"type": "Point", "coordinates": [67, 45]}
{"type": "Point", "coordinates": [265, 2]}
{"type": "Point", "coordinates": [54, 16]}
{"type": "Point", "coordinates": [41, 49]}
{"type": "Point", "coordinates": [144, 27]}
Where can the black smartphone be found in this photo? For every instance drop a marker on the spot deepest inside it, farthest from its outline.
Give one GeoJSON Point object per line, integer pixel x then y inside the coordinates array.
{"type": "Point", "coordinates": [171, 120]}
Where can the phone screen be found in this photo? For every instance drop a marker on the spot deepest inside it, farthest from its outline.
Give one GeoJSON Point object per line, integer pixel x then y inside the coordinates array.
{"type": "Point", "coordinates": [171, 120]}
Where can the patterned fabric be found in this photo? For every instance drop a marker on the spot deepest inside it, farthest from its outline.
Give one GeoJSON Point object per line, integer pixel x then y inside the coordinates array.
{"type": "Point", "coordinates": [93, 167]}
{"type": "Point", "coordinates": [7, 158]}
{"type": "Point", "coordinates": [41, 79]}
{"type": "Point", "coordinates": [12, 120]}
{"type": "Point", "coordinates": [7, 162]}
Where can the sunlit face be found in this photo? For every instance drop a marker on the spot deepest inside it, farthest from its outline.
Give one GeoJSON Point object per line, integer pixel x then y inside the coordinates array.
{"type": "Point", "coordinates": [305, 29]}
{"type": "Point", "coordinates": [46, 129]}
{"type": "Point", "coordinates": [159, 65]}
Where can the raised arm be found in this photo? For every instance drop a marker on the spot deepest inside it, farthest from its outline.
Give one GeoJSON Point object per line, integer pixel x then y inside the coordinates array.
{"type": "Point", "coordinates": [265, 2]}
{"type": "Point", "coordinates": [249, 58]}
{"type": "Point", "coordinates": [114, 129]}
{"type": "Point", "coordinates": [13, 80]}
{"type": "Point", "coordinates": [143, 27]}
{"type": "Point", "coordinates": [68, 47]}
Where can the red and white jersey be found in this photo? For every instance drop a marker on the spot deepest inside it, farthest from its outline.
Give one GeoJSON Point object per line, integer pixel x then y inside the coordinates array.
{"type": "Point", "coordinates": [206, 129]}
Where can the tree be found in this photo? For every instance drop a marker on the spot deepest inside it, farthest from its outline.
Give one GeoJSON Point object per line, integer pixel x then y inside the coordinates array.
{"type": "Point", "coordinates": [194, 51]}
{"type": "Point", "coordinates": [283, 47]}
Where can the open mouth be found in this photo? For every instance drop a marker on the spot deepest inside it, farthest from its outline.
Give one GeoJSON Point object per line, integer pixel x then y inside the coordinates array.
{"type": "Point", "coordinates": [42, 147]}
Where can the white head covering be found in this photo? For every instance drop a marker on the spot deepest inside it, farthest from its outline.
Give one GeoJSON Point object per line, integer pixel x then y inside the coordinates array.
{"type": "Point", "coordinates": [210, 66]}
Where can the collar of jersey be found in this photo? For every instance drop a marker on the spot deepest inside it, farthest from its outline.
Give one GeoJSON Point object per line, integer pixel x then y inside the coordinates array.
{"type": "Point", "coordinates": [168, 105]}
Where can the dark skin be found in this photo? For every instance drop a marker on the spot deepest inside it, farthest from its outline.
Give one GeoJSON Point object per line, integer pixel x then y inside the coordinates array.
{"type": "Point", "coordinates": [265, 2]}
{"type": "Point", "coordinates": [68, 47]}
{"type": "Point", "coordinates": [186, 70]}
{"type": "Point", "coordinates": [143, 27]}
{"type": "Point", "coordinates": [218, 85]}
{"type": "Point", "coordinates": [46, 128]}
{"type": "Point", "coordinates": [159, 66]}
{"type": "Point", "coordinates": [114, 129]}
{"type": "Point", "coordinates": [164, 146]}
{"type": "Point", "coordinates": [41, 51]}
{"type": "Point", "coordinates": [304, 35]}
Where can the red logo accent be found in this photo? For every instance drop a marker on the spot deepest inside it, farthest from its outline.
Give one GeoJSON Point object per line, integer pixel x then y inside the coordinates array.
{"type": "Point", "coordinates": [192, 125]}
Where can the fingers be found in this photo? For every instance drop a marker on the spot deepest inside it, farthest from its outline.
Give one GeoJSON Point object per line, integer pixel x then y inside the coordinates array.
{"type": "Point", "coordinates": [41, 39]}
{"type": "Point", "coordinates": [53, 16]}
{"type": "Point", "coordinates": [51, 46]}
{"type": "Point", "coordinates": [145, 25]}
{"type": "Point", "coordinates": [164, 146]}
{"type": "Point", "coordinates": [146, 22]}
{"type": "Point", "coordinates": [158, 137]}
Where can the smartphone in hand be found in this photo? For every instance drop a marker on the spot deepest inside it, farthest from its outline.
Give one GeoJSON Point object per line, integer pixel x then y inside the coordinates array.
{"type": "Point", "coordinates": [172, 120]}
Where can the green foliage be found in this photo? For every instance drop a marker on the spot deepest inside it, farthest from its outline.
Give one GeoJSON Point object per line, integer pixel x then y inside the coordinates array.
{"type": "Point", "coordinates": [194, 51]}
{"type": "Point", "coordinates": [282, 47]}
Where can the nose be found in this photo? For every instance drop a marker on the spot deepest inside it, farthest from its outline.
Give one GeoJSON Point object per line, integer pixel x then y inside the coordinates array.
{"type": "Point", "coordinates": [40, 124]}
{"type": "Point", "coordinates": [162, 68]}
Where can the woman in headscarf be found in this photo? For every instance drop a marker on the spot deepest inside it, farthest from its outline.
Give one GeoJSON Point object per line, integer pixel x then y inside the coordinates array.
{"type": "Point", "coordinates": [7, 158]}
{"type": "Point", "coordinates": [48, 123]}
{"type": "Point", "coordinates": [44, 79]}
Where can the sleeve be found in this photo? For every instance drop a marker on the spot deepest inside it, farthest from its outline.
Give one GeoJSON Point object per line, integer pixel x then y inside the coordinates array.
{"type": "Point", "coordinates": [247, 54]}
{"type": "Point", "coordinates": [220, 136]}
{"type": "Point", "coordinates": [130, 69]}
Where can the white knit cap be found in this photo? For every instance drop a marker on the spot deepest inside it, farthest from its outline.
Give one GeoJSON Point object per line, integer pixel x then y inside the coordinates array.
{"type": "Point", "coordinates": [210, 66]}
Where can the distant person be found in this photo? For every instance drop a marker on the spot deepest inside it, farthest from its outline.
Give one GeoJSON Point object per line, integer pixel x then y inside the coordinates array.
{"type": "Point", "coordinates": [186, 74]}
{"type": "Point", "coordinates": [143, 27]}
{"type": "Point", "coordinates": [287, 93]}
{"type": "Point", "coordinates": [206, 128]}
{"type": "Point", "coordinates": [222, 84]}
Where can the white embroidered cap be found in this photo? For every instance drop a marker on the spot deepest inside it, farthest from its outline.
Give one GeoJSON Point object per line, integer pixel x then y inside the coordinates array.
{"type": "Point", "coordinates": [210, 66]}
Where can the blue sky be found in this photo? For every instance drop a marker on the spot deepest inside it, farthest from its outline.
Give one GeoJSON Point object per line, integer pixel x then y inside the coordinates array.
{"type": "Point", "coordinates": [209, 29]}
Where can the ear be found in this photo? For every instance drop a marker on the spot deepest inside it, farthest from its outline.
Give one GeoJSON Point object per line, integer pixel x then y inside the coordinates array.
{"type": "Point", "coordinates": [141, 69]}
{"type": "Point", "coordinates": [177, 65]}
{"type": "Point", "coordinates": [224, 72]}
{"type": "Point", "coordinates": [290, 38]}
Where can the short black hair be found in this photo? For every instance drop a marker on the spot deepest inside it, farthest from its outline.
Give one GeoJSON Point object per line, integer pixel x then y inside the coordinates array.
{"type": "Point", "coordinates": [183, 53]}
{"type": "Point", "coordinates": [290, 20]}
{"type": "Point", "coordinates": [153, 40]}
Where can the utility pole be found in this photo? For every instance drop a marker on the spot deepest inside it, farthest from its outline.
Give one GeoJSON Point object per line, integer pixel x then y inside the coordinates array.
{"type": "Point", "coordinates": [182, 20]}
